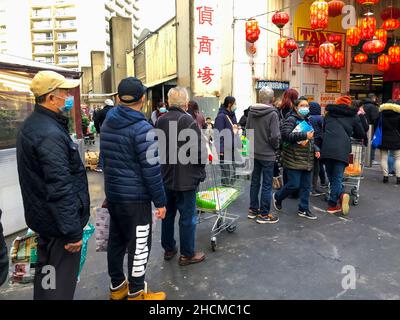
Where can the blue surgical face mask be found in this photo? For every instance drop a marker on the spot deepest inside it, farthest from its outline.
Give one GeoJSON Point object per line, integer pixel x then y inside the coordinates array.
{"type": "Point", "coordinates": [304, 111]}
{"type": "Point", "coordinates": [163, 110]}
{"type": "Point", "coordinates": [68, 104]}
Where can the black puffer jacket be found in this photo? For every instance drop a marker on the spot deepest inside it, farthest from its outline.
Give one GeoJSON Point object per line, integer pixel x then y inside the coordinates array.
{"type": "Point", "coordinates": [295, 156]}
{"type": "Point", "coordinates": [371, 109]}
{"type": "Point", "coordinates": [390, 126]}
{"type": "Point", "coordinates": [3, 256]}
{"type": "Point", "coordinates": [100, 117]}
{"type": "Point", "coordinates": [52, 177]}
{"type": "Point", "coordinates": [340, 124]}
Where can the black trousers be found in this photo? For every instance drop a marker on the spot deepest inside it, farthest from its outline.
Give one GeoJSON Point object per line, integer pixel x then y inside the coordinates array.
{"type": "Point", "coordinates": [130, 228]}
{"type": "Point", "coordinates": [56, 271]}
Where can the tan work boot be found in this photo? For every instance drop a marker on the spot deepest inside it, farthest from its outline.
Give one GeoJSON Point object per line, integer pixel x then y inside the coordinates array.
{"type": "Point", "coordinates": [147, 295]}
{"type": "Point", "coordinates": [120, 292]}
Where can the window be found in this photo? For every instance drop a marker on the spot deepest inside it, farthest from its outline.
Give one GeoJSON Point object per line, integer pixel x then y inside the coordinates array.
{"type": "Point", "coordinates": [66, 24]}
{"type": "Point", "coordinates": [42, 24]}
{"type": "Point", "coordinates": [333, 86]}
{"type": "Point", "coordinates": [41, 13]}
{"type": "Point", "coordinates": [67, 47]}
{"type": "Point", "coordinates": [43, 49]}
{"type": "Point", "coordinates": [43, 36]}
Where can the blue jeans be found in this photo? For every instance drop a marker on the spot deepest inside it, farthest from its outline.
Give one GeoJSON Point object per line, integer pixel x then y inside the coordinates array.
{"type": "Point", "coordinates": [391, 162]}
{"type": "Point", "coordinates": [185, 202]}
{"type": "Point", "coordinates": [266, 170]}
{"type": "Point", "coordinates": [297, 181]}
{"type": "Point", "coordinates": [335, 171]}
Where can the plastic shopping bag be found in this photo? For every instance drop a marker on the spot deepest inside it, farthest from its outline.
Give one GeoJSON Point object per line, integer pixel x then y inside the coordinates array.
{"type": "Point", "coordinates": [102, 229]}
{"type": "Point", "coordinates": [87, 233]}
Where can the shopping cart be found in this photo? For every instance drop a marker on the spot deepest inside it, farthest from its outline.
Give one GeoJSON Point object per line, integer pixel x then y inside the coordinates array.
{"type": "Point", "coordinates": [354, 172]}
{"type": "Point", "coordinates": [222, 186]}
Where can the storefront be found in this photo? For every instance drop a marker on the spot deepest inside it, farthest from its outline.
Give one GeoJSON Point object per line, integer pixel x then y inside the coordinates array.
{"type": "Point", "coordinates": [16, 104]}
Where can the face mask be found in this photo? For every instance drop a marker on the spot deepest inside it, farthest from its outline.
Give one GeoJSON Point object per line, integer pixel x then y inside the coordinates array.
{"type": "Point", "coordinates": [304, 111]}
{"type": "Point", "coordinates": [68, 104]}
{"type": "Point", "coordinates": [234, 108]}
{"type": "Point", "coordinates": [163, 110]}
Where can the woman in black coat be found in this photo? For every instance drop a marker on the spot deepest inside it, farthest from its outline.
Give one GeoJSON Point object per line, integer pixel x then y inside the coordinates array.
{"type": "Point", "coordinates": [340, 124]}
{"type": "Point", "coordinates": [390, 115]}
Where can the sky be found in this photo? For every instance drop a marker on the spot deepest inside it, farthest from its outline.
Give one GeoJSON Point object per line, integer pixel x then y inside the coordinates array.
{"type": "Point", "coordinates": [154, 13]}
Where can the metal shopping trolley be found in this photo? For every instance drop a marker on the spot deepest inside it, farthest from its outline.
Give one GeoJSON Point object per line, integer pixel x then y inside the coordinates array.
{"type": "Point", "coordinates": [222, 186]}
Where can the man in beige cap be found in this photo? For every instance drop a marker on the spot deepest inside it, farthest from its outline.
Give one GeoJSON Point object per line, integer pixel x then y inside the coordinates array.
{"type": "Point", "coordinates": [54, 187]}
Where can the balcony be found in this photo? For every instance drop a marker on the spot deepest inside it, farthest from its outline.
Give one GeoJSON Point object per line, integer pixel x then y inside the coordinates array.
{"type": "Point", "coordinates": [68, 64]}
{"type": "Point", "coordinates": [43, 53]}
{"type": "Point", "coordinates": [65, 14]}
{"type": "Point", "coordinates": [66, 26]}
{"type": "Point", "coordinates": [42, 40]}
{"type": "Point", "coordinates": [68, 51]}
{"type": "Point", "coordinates": [42, 27]}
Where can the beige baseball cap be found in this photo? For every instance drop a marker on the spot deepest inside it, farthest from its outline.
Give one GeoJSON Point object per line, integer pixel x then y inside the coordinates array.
{"type": "Point", "coordinates": [46, 81]}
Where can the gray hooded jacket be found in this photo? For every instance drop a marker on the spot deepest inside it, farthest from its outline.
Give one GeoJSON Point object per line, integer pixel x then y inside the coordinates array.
{"type": "Point", "coordinates": [264, 120]}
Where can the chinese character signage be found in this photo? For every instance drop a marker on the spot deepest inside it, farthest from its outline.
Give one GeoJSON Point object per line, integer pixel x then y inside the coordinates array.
{"type": "Point", "coordinates": [206, 48]}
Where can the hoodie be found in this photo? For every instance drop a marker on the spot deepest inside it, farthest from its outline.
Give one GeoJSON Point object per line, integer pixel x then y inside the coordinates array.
{"type": "Point", "coordinates": [130, 175]}
{"type": "Point", "coordinates": [371, 109]}
{"type": "Point", "coordinates": [390, 126]}
{"type": "Point", "coordinates": [264, 120]}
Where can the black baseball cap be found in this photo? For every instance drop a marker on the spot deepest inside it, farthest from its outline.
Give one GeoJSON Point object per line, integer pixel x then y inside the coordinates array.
{"type": "Point", "coordinates": [131, 90]}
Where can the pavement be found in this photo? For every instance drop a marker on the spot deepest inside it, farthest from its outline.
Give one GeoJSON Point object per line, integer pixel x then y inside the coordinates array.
{"type": "Point", "coordinates": [293, 259]}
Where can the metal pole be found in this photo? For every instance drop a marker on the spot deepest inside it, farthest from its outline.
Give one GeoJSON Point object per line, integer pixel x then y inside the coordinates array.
{"type": "Point", "coordinates": [163, 93]}
{"type": "Point", "coordinates": [302, 76]}
{"type": "Point", "coordinates": [368, 160]}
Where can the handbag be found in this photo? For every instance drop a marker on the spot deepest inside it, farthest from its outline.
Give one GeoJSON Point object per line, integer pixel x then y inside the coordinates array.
{"type": "Point", "coordinates": [277, 182]}
{"type": "Point", "coordinates": [377, 139]}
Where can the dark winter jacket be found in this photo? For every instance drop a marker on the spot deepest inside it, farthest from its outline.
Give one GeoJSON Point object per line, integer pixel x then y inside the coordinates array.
{"type": "Point", "coordinates": [100, 117]}
{"type": "Point", "coordinates": [243, 119]}
{"type": "Point", "coordinates": [340, 125]}
{"type": "Point", "coordinates": [295, 156]}
{"type": "Point", "coordinates": [180, 176]}
{"type": "Point", "coordinates": [390, 126]}
{"type": "Point", "coordinates": [316, 121]}
{"type": "Point", "coordinates": [221, 123]}
{"type": "Point", "coordinates": [131, 169]}
{"type": "Point", "coordinates": [264, 120]}
{"type": "Point", "coordinates": [371, 109]}
{"type": "Point", "coordinates": [52, 177]}
{"type": "Point", "coordinates": [3, 256]}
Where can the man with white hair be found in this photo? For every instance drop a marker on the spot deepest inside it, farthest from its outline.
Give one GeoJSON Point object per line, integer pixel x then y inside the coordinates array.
{"type": "Point", "coordinates": [181, 179]}
{"type": "Point", "coordinates": [264, 120]}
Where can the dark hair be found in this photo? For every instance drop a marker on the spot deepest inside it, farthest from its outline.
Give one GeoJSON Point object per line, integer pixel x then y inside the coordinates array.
{"type": "Point", "coordinates": [41, 99]}
{"type": "Point", "coordinates": [228, 100]}
{"type": "Point", "coordinates": [372, 95]}
{"type": "Point", "coordinates": [297, 102]}
{"type": "Point", "coordinates": [208, 118]}
{"type": "Point", "coordinates": [356, 104]}
{"type": "Point", "coordinates": [193, 108]}
{"type": "Point", "coordinates": [289, 98]}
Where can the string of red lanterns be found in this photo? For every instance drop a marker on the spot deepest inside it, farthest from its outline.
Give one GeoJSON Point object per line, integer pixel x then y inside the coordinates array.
{"type": "Point", "coordinates": [326, 55]}
{"type": "Point", "coordinates": [335, 8]}
{"type": "Point", "coordinates": [319, 13]}
{"type": "Point", "coordinates": [367, 27]}
{"type": "Point", "coordinates": [374, 46]}
{"type": "Point", "coordinates": [361, 58]}
{"type": "Point", "coordinates": [252, 30]}
{"type": "Point", "coordinates": [394, 54]}
{"type": "Point", "coordinates": [383, 62]}
{"type": "Point", "coordinates": [391, 24]}
{"type": "Point", "coordinates": [353, 36]}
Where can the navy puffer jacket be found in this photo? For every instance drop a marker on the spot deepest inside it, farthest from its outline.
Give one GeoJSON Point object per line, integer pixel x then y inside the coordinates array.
{"type": "Point", "coordinates": [126, 140]}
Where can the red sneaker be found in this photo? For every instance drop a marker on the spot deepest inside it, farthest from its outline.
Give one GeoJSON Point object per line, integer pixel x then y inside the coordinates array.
{"type": "Point", "coordinates": [333, 210]}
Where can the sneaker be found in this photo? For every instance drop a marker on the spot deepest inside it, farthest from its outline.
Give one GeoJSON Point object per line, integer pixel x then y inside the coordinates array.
{"type": "Point", "coordinates": [264, 219]}
{"type": "Point", "coordinates": [317, 193]}
{"type": "Point", "coordinates": [333, 210]}
{"type": "Point", "coordinates": [252, 214]}
{"type": "Point", "coordinates": [345, 199]}
{"type": "Point", "coordinates": [98, 170]}
{"type": "Point", "coordinates": [120, 292]}
{"type": "Point", "coordinates": [277, 204]}
{"type": "Point", "coordinates": [147, 295]}
{"type": "Point", "coordinates": [306, 214]}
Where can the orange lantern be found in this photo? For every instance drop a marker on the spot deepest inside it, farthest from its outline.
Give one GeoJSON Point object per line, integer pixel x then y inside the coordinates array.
{"type": "Point", "coordinates": [391, 24]}
{"type": "Point", "coordinates": [390, 12]}
{"type": "Point", "coordinates": [383, 62]}
{"type": "Point", "coordinates": [291, 45]}
{"type": "Point", "coordinates": [319, 15]}
{"type": "Point", "coordinates": [280, 19]}
{"type": "Point", "coordinates": [361, 58]}
{"type": "Point", "coordinates": [374, 46]}
{"type": "Point", "coordinates": [335, 38]}
{"type": "Point", "coordinates": [394, 54]}
{"type": "Point", "coordinates": [368, 2]}
{"type": "Point", "coordinates": [282, 52]}
{"type": "Point", "coordinates": [311, 51]}
{"type": "Point", "coordinates": [335, 8]}
{"type": "Point", "coordinates": [338, 61]}
{"type": "Point", "coordinates": [252, 30]}
{"type": "Point", "coordinates": [367, 28]}
{"type": "Point", "coordinates": [353, 36]}
{"type": "Point", "coordinates": [381, 34]}
{"type": "Point", "coordinates": [326, 54]}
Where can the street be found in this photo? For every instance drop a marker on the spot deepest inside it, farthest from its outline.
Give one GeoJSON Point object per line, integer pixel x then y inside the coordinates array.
{"type": "Point", "coordinates": [293, 259]}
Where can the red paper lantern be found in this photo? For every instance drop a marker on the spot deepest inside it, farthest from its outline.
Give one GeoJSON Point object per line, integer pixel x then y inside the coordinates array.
{"type": "Point", "coordinates": [335, 38]}
{"type": "Point", "coordinates": [394, 54]}
{"type": "Point", "coordinates": [338, 61]}
{"type": "Point", "coordinates": [290, 45]}
{"type": "Point", "coordinates": [282, 52]}
{"type": "Point", "coordinates": [367, 28]}
{"type": "Point", "coordinates": [252, 30]}
{"type": "Point", "coordinates": [391, 24]}
{"type": "Point", "coordinates": [368, 2]}
{"type": "Point", "coordinates": [280, 19]}
{"type": "Point", "coordinates": [381, 34]}
{"type": "Point", "coordinates": [390, 12]}
{"type": "Point", "coordinates": [335, 8]}
{"type": "Point", "coordinates": [353, 36]}
{"type": "Point", "coordinates": [383, 62]}
{"type": "Point", "coordinates": [361, 58]}
{"type": "Point", "coordinates": [311, 51]}
{"type": "Point", "coordinates": [374, 46]}
{"type": "Point", "coordinates": [319, 15]}
{"type": "Point", "coordinates": [326, 54]}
